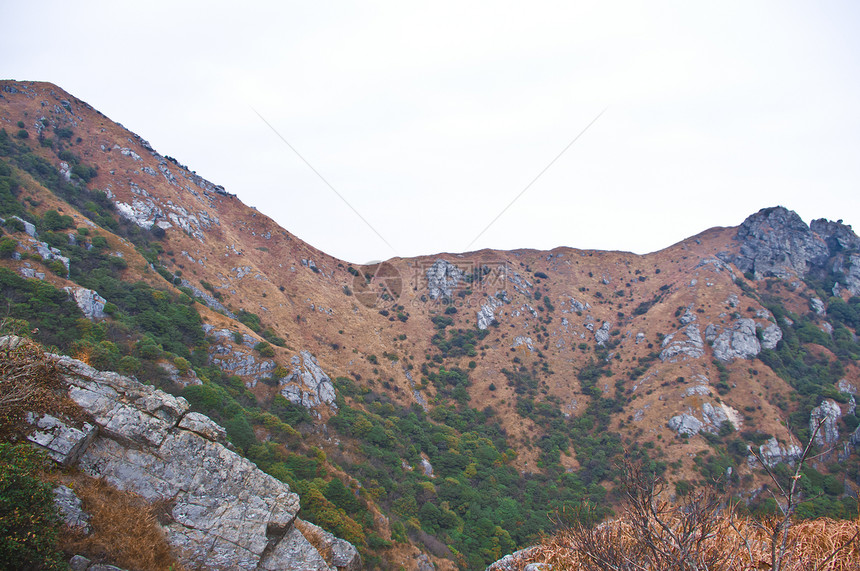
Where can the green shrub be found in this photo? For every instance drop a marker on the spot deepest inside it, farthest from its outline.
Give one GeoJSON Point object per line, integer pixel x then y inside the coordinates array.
{"type": "Point", "coordinates": [7, 247]}
{"type": "Point", "coordinates": [264, 349]}
{"type": "Point", "coordinates": [53, 220]}
{"type": "Point", "coordinates": [28, 518]}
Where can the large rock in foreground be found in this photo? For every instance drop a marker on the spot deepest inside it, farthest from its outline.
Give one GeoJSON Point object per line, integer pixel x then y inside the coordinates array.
{"type": "Point", "coordinates": [226, 513]}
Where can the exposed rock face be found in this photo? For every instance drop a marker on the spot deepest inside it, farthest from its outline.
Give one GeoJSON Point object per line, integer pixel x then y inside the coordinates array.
{"type": "Point", "coordinates": [307, 384]}
{"type": "Point", "coordinates": [771, 336]}
{"type": "Point", "coordinates": [836, 235]}
{"type": "Point", "coordinates": [772, 453]}
{"type": "Point", "coordinates": [685, 424]}
{"type": "Point", "coordinates": [828, 414]}
{"type": "Point", "coordinates": [427, 467]}
{"type": "Point", "coordinates": [512, 561]}
{"type": "Point", "coordinates": [521, 340]}
{"type": "Point", "coordinates": [237, 360]}
{"type": "Point", "coordinates": [739, 342]}
{"type": "Point", "coordinates": [227, 514]}
{"type": "Point", "coordinates": [343, 554]}
{"type": "Point", "coordinates": [602, 334]}
{"type": "Point", "coordinates": [91, 303]}
{"type": "Point", "coordinates": [575, 305]}
{"type": "Point", "coordinates": [688, 316]}
{"type": "Point", "coordinates": [443, 278]}
{"type": "Point", "coordinates": [816, 305]}
{"type": "Point", "coordinates": [62, 442]}
{"type": "Point", "coordinates": [852, 278]}
{"type": "Point", "coordinates": [207, 298]}
{"type": "Point", "coordinates": [486, 315]}
{"type": "Point", "coordinates": [713, 416]}
{"type": "Point", "coordinates": [677, 348]}
{"type": "Point", "coordinates": [70, 507]}
{"type": "Point", "coordinates": [776, 242]}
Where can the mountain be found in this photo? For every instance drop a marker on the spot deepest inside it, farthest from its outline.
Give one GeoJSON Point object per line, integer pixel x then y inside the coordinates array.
{"type": "Point", "coordinates": [433, 410]}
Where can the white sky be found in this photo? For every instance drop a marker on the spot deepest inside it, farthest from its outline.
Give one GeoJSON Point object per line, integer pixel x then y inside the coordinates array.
{"type": "Point", "coordinates": [430, 118]}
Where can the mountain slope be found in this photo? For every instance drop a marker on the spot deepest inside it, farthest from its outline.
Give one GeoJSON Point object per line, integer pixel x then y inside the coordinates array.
{"type": "Point", "coordinates": [516, 377]}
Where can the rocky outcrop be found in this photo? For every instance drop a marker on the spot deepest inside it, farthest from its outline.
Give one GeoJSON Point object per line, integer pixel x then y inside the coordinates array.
{"type": "Point", "coordinates": [827, 415]}
{"type": "Point", "coordinates": [238, 359]}
{"type": "Point", "coordinates": [486, 315]}
{"type": "Point", "coordinates": [685, 424]}
{"type": "Point", "coordinates": [772, 454]}
{"type": "Point", "coordinates": [91, 303]}
{"type": "Point", "coordinates": [443, 278]}
{"type": "Point", "coordinates": [713, 416]}
{"type": "Point", "coordinates": [836, 235]}
{"type": "Point", "coordinates": [307, 384]}
{"type": "Point", "coordinates": [601, 336]}
{"type": "Point", "coordinates": [776, 242]}
{"type": "Point", "coordinates": [208, 299]}
{"type": "Point", "coordinates": [738, 342]}
{"type": "Point", "coordinates": [771, 336]}
{"type": "Point", "coordinates": [679, 348]}
{"type": "Point", "coordinates": [852, 274]}
{"type": "Point", "coordinates": [344, 556]}
{"type": "Point", "coordinates": [71, 509]}
{"type": "Point", "coordinates": [512, 561]}
{"type": "Point", "coordinates": [225, 513]}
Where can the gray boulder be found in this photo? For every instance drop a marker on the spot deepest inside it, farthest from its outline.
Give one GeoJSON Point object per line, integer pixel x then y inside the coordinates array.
{"type": "Point", "coordinates": [70, 507]}
{"type": "Point", "coordinates": [739, 342]}
{"type": "Point", "coordinates": [307, 384]}
{"type": "Point", "coordinates": [816, 305]}
{"type": "Point", "coordinates": [713, 417]}
{"type": "Point", "coordinates": [685, 424]}
{"type": "Point", "coordinates": [688, 316]}
{"type": "Point", "coordinates": [62, 441]}
{"type": "Point", "coordinates": [771, 336]}
{"type": "Point", "coordinates": [91, 303]}
{"type": "Point", "coordinates": [772, 454]}
{"type": "Point", "coordinates": [827, 414]}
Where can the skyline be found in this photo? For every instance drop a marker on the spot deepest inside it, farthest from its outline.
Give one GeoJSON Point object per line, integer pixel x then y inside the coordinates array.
{"type": "Point", "coordinates": [430, 120]}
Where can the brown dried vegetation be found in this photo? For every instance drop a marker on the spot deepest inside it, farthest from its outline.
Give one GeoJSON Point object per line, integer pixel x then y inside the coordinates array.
{"type": "Point", "coordinates": [700, 532]}
{"type": "Point", "coordinates": [125, 530]}
{"type": "Point", "coordinates": [29, 382]}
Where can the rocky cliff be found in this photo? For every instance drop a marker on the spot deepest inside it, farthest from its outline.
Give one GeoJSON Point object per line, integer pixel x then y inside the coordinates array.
{"type": "Point", "coordinates": [224, 512]}
{"type": "Point", "coordinates": [776, 242]}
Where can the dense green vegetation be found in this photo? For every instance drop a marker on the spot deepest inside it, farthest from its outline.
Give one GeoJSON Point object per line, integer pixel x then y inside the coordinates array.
{"type": "Point", "coordinates": [477, 504]}
{"type": "Point", "coordinates": [49, 312]}
{"type": "Point", "coordinates": [29, 522]}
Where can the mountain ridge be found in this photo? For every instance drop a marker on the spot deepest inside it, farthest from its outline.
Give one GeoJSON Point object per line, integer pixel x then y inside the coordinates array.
{"type": "Point", "coordinates": [661, 350]}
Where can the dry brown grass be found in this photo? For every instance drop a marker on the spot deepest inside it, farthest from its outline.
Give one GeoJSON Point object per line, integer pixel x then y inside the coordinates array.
{"type": "Point", "coordinates": [125, 530]}
{"type": "Point", "coordinates": [737, 543]}
{"type": "Point", "coordinates": [29, 382]}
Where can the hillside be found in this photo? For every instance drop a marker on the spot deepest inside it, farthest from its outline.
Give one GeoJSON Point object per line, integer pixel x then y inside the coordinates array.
{"type": "Point", "coordinates": [460, 397]}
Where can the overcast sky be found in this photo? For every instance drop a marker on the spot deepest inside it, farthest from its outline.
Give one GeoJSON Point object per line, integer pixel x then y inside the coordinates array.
{"type": "Point", "coordinates": [430, 118]}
